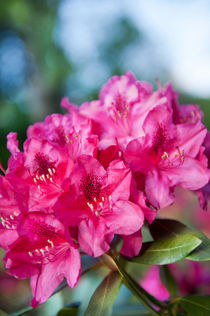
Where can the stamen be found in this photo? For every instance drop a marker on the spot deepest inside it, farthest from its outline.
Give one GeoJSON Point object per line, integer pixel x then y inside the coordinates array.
{"type": "Point", "coordinates": [42, 251]}
{"type": "Point", "coordinates": [51, 243]}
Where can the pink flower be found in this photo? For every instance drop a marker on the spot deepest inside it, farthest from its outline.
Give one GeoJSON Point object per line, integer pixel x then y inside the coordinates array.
{"type": "Point", "coordinates": [70, 132]}
{"type": "Point", "coordinates": [9, 213]}
{"type": "Point", "coordinates": [167, 156]}
{"type": "Point", "coordinates": [189, 113]}
{"type": "Point", "coordinates": [43, 253]}
{"type": "Point", "coordinates": [121, 109]}
{"type": "Point", "coordinates": [47, 166]}
{"type": "Point", "coordinates": [153, 284]}
{"type": "Point", "coordinates": [204, 193]}
{"type": "Point", "coordinates": [97, 201]}
{"type": "Point", "coordinates": [191, 277]}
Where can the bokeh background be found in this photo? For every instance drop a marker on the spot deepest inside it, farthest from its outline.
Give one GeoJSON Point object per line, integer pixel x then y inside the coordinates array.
{"type": "Point", "coordinates": [55, 48]}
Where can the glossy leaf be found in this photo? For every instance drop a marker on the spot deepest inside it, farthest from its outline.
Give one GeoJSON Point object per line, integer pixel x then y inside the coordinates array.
{"type": "Point", "coordinates": [168, 250]}
{"type": "Point", "coordinates": [196, 305]}
{"type": "Point", "coordinates": [202, 252]}
{"type": "Point", "coordinates": [163, 228]}
{"type": "Point", "coordinates": [104, 296]}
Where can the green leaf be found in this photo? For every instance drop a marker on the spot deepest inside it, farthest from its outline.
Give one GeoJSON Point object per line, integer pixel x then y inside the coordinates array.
{"type": "Point", "coordinates": [162, 228]}
{"type": "Point", "coordinates": [168, 280]}
{"type": "Point", "coordinates": [69, 311]}
{"type": "Point", "coordinates": [202, 252]}
{"type": "Point", "coordinates": [196, 305]}
{"type": "Point", "coordinates": [168, 250]}
{"type": "Point", "coordinates": [104, 296]}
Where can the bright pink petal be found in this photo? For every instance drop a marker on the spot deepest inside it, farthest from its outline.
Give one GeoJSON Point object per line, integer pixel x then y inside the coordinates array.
{"type": "Point", "coordinates": [131, 244]}
{"type": "Point", "coordinates": [92, 238]}
{"type": "Point", "coordinates": [190, 137]}
{"type": "Point", "coordinates": [119, 179]}
{"type": "Point", "coordinates": [70, 266]}
{"type": "Point", "coordinates": [12, 143]}
{"type": "Point", "coordinates": [190, 175]}
{"type": "Point", "coordinates": [44, 284]}
{"type": "Point", "coordinates": [125, 219]}
{"type": "Point", "coordinates": [157, 188]}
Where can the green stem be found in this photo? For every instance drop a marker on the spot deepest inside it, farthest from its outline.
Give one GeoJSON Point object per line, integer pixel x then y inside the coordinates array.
{"type": "Point", "coordinates": [145, 298]}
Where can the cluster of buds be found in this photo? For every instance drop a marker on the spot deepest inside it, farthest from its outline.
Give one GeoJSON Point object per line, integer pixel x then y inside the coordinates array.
{"type": "Point", "coordinates": [100, 170]}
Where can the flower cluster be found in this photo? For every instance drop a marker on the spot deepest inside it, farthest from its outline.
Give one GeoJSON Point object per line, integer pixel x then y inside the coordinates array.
{"type": "Point", "coordinates": [98, 171]}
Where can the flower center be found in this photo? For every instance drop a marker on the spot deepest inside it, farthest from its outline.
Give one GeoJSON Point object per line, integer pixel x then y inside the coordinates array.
{"type": "Point", "coordinates": [119, 108]}
{"type": "Point", "coordinates": [61, 138]}
{"type": "Point", "coordinates": [10, 221]}
{"type": "Point", "coordinates": [98, 200]}
{"type": "Point", "coordinates": [43, 168]}
{"type": "Point", "coordinates": [91, 187]}
{"type": "Point", "coordinates": [161, 140]}
{"type": "Point", "coordinates": [48, 244]}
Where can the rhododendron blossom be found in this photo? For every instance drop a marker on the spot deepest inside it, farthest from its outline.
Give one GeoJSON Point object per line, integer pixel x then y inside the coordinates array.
{"type": "Point", "coordinates": [91, 178]}
{"type": "Point", "coordinates": [97, 201]}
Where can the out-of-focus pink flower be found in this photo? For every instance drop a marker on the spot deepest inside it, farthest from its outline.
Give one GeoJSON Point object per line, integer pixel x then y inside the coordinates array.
{"type": "Point", "coordinates": [152, 283]}
{"type": "Point", "coordinates": [97, 201]}
{"type": "Point", "coordinates": [43, 253]}
{"type": "Point", "coordinates": [192, 277]}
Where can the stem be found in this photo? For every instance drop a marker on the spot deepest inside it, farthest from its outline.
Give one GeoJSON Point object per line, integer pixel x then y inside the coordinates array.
{"type": "Point", "coordinates": [145, 298]}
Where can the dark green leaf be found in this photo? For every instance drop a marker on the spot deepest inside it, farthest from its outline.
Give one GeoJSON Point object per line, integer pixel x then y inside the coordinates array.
{"type": "Point", "coordinates": [104, 296]}
{"type": "Point", "coordinates": [69, 311]}
{"type": "Point", "coordinates": [202, 252]}
{"type": "Point", "coordinates": [196, 305]}
{"type": "Point", "coordinates": [168, 280]}
{"type": "Point", "coordinates": [163, 228]}
{"type": "Point", "coordinates": [168, 250]}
